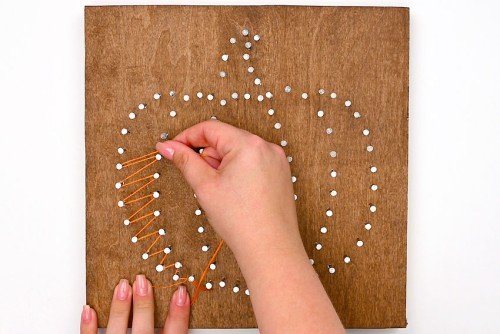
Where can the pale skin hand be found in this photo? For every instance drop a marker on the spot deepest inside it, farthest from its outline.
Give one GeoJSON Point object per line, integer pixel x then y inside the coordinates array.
{"type": "Point", "coordinates": [140, 297]}
{"type": "Point", "coordinates": [244, 185]}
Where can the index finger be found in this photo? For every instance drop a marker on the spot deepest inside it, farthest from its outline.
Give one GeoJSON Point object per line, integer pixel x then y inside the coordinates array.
{"type": "Point", "coordinates": [221, 136]}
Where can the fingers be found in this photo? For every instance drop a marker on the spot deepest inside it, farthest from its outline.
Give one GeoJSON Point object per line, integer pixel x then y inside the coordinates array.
{"type": "Point", "coordinates": [211, 156]}
{"type": "Point", "coordinates": [88, 321]}
{"type": "Point", "coordinates": [217, 137]}
{"type": "Point", "coordinates": [194, 168]}
{"type": "Point", "coordinates": [177, 321]}
{"type": "Point", "coordinates": [221, 136]}
{"type": "Point", "coordinates": [143, 321]}
{"type": "Point", "coordinates": [120, 308]}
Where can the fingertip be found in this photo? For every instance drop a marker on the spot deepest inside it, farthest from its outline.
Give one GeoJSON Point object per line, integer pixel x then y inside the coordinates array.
{"type": "Point", "coordinates": [123, 290]}
{"type": "Point", "coordinates": [165, 149]}
{"type": "Point", "coordinates": [87, 314]}
{"type": "Point", "coordinates": [178, 314]}
{"type": "Point", "coordinates": [181, 296]}
{"type": "Point", "coordinates": [194, 168]}
{"type": "Point", "coordinates": [88, 322]}
{"type": "Point", "coordinates": [142, 286]}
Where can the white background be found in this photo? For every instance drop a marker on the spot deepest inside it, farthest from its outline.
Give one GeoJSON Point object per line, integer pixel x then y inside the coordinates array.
{"type": "Point", "coordinates": [454, 214]}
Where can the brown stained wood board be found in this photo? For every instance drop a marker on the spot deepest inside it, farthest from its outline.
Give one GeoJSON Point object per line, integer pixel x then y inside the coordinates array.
{"type": "Point", "coordinates": [358, 53]}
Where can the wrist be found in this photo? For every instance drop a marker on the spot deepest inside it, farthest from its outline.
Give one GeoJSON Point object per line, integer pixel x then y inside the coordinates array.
{"type": "Point", "coordinates": [257, 254]}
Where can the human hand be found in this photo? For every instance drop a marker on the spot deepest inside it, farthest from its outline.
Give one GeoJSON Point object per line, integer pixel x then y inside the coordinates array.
{"type": "Point", "coordinates": [141, 297]}
{"type": "Point", "coordinates": [242, 182]}
{"type": "Point", "coordinates": [244, 185]}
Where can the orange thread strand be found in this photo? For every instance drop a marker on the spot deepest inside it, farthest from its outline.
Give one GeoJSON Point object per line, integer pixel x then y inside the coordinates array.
{"type": "Point", "coordinates": [144, 227]}
{"type": "Point", "coordinates": [141, 208]}
{"type": "Point", "coordinates": [138, 161]}
{"type": "Point", "coordinates": [154, 242]}
{"type": "Point", "coordinates": [202, 277]}
{"type": "Point", "coordinates": [156, 253]}
{"type": "Point", "coordinates": [139, 199]}
{"type": "Point", "coordinates": [138, 189]}
{"type": "Point", "coordinates": [138, 158]}
{"type": "Point", "coordinates": [138, 171]}
{"type": "Point", "coordinates": [147, 235]}
{"type": "Point", "coordinates": [169, 266]}
{"type": "Point", "coordinates": [163, 259]}
{"type": "Point", "coordinates": [138, 180]}
{"type": "Point", "coordinates": [181, 280]}
{"type": "Point", "coordinates": [142, 217]}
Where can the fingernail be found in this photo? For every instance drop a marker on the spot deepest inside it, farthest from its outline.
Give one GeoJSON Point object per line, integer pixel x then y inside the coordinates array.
{"type": "Point", "coordinates": [141, 287]}
{"type": "Point", "coordinates": [165, 150]}
{"type": "Point", "coordinates": [123, 287]}
{"type": "Point", "coordinates": [181, 296]}
{"type": "Point", "coordinates": [86, 314]}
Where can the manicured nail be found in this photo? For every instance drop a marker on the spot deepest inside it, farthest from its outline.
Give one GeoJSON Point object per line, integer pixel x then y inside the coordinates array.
{"type": "Point", "coordinates": [165, 150]}
{"type": "Point", "coordinates": [86, 314]}
{"type": "Point", "coordinates": [123, 287]}
{"type": "Point", "coordinates": [180, 299]}
{"type": "Point", "coordinates": [141, 286]}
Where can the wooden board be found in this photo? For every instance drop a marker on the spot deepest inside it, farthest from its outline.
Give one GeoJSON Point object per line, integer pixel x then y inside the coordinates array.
{"type": "Point", "coordinates": [359, 53]}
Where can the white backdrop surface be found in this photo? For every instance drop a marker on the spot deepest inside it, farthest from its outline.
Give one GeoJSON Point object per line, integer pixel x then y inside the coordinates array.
{"type": "Point", "coordinates": [454, 213]}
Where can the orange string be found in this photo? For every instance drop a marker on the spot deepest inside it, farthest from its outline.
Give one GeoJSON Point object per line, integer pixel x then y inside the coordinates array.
{"type": "Point", "coordinates": [141, 208]}
{"type": "Point", "coordinates": [147, 235]}
{"type": "Point", "coordinates": [145, 226]}
{"type": "Point", "coordinates": [156, 253]}
{"type": "Point", "coordinates": [136, 162]}
{"type": "Point", "coordinates": [142, 217]}
{"type": "Point", "coordinates": [154, 242]}
{"type": "Point", "coordinates": [163, 259]}
{"type": "Point", "coordinates": [169, 266]}
{"type": "Point", "coordinates": [138, 180]}
{"type": "Point", "coordinates": [138, 171]}
{"type": "Point", "coordinates": [181, 280]}
{"type": "Point", "coordinates": [139, 199]}
{"type": "Point", "coordinates": [202, 277]}
{"type": "Point", "coordinates": [138, 158]}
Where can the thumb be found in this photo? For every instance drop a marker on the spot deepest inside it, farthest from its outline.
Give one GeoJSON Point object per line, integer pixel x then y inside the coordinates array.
{"type": "Point", "coordinates": [195, 170]}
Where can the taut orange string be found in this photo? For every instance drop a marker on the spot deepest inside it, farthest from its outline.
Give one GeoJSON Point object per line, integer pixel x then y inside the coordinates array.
{"type": "Point", "coordinates": [147, 235]}
{"type": "Point", "coordinates": [144, 227]}
{"type": "Point", "coordinates": [202, 277]}
{"type": "Point", "coordinates": [139, 199]}
{"type": "Point", "coordinates": [128, 162]}
{"type": "Point", "coordinates": [138, 180]}
{"type": "Point", "coordinates": [136, 162]}
{"type": "Point", "coordinates": [138, 171]}
{"type": "Point", "coordinates": [156, 253]}
{"type": "Point", "coordinates": [137, 190]}
{"type": "Point", "coordinates": [163, 260]}
{"type": "Point", "coordinates": [153, 243]}
{"type": "Point", "coordinates": [141, 217]}
{"type": "Point", "coordinates": [141, 208]}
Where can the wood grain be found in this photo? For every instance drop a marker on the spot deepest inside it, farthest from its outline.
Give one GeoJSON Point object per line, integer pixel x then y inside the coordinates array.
{"type": "Point", "coordinates": [360, 53]}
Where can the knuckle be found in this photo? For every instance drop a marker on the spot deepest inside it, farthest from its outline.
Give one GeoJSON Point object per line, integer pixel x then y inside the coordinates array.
{"type": "Point", "coordinates": [143, 305]}
{"type": "Point", "coordinates": [259, 150]}
{"type": "Point", "coordinates": [279, 150]}
{"type": "Point", "coordinates": [178, 315]}
{"type": "Point", "coordinates": [256, 142]}
{"type": "Point", "coordinates": [119, 312]}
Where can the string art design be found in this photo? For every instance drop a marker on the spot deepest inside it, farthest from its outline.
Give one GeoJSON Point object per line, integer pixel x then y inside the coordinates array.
{"type": "Point", "coordinates": [141, 199]}
{"type": "Point", "coordinates": [327, 84]}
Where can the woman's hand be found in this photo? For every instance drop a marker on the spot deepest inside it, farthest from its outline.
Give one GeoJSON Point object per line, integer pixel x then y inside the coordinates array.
{"type": "Point", "coordinates": [242, 182]}
{"type": "Point", "coordinates": [244, 185]}
{"type": "Point", "coordinates": [140, 297]}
